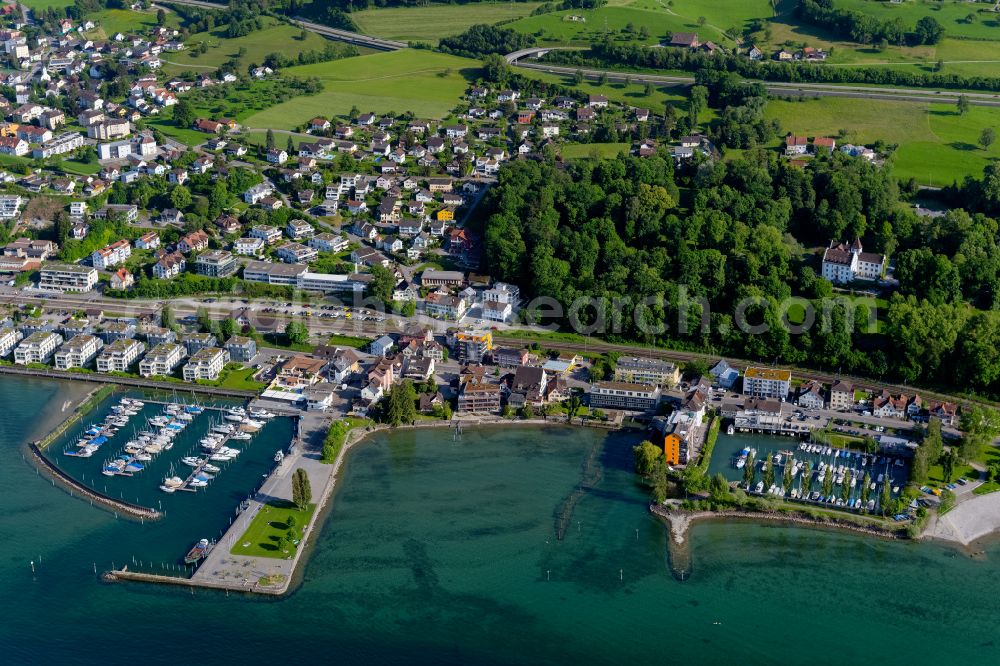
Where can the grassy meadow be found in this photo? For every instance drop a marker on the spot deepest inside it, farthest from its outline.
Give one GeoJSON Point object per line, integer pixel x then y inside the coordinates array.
{"type": "Point", "coordinates": [432, 22]}
{"type": "Point", "coordinates": [110, 21]}
{"type": "Point", "coordinates": [276, 38]}
{"type": "Point", "coordinates": [428, 84]}
{"type": "Point", "coordinates": [936, 144]}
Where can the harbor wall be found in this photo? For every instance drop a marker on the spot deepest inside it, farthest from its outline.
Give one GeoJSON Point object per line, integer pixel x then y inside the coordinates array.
{"type": "Point", "coordinates": [120, 575]}
{"type": "Point", "coordinates": [81, 410]}
{"type": "Point", "coordinates": [135, 382]}
{"type": "Point", "coordinates": [680, 522]}
{"type": "Point", "coordinates": [74, 486]}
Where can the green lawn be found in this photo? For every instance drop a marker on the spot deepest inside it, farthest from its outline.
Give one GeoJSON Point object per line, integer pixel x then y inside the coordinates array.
{"type": "Point", "coordinates": [185, 135]}
{"type": "Point", "coordinates": [241, 379]}
{"type": "Point", "coordinates": [280, 341]}
{"type": "Point", "coordinates": [268, 526]}
{"type": "Point", "coordinates": [557, 28]}
{"type": "Point", "coordinates": [986, 488]}
{"type": "Point", "coordinates": [427, 83]}
{"type": "Point", "coordinates": [602, 150]}
{"type": "Point", "coordinates": [277, 37]}
{"type": "Point", "coordinates": [936, 144]}
{"type": "Point", "coordinates": [348, 341]}
{"type": "Point", "coordinates": [935, 475]}
{"type": "Point", "coordinates": [432, 22]}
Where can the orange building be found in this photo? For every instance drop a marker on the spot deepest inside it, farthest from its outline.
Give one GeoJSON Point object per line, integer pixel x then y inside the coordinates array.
{"type": "Point", "coordinates": [672, 448]}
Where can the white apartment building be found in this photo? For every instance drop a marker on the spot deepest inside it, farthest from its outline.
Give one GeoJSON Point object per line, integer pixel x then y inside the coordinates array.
{"type": "Point", "coordinates": [161, 359]}
{"type": "Point", "coordinates": [327, 242]}
{"type": "Point", "coordinates": [10, 206]}
{"type": "Point", "coordinates": [79, 351]}
{"type": "Point", "coordinates": [9, 337]}
{"type": "Point", "coordinates": [68, 277]}
{"type": "Point", "coordinates": [111, 255]}
{"type": "Point", "coordinates": [120, 355]}
{"type": "Point", "coordinates": [206, 364]}
{"type": "Point", "coordinates": [37, 348]}
{"type": "Point", "coordinates": [502, 293]}
{"type": "Point", "coordinates": [767, 383]}
{"type": "Point", "coordinates": [66, 142]}
{"type": "Point", "coordinates": [252, 247]}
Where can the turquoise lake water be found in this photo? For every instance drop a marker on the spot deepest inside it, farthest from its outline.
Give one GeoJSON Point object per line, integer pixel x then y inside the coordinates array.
{"type": "Point", "coordinates": [445, 551]}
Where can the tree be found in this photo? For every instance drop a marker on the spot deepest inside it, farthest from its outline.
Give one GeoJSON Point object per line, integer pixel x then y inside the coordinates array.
{"type": "Point", "coordinates": [180, 197]}
{"type": "Point", "coordinates": [749, 471]}
{"type": "Point", "coordinates": [719, 488]}
{"type": "Point", "coordinates": [528, 411]}
{"type": "Point", "coordinates": [301, 490]}
{"type": "Point", "coordinates": [290, 522]}
{"type": "Point", "coordinates": [296, 333]}
{"type": "Point", "coordinates": [646, 454]}
{"type": "Point", "coordinates": [161, 17]}
{"type": "Point", "coordinates": [183, 113]}
{"type": "Point", "coordinates": [269, 139]}
{"type": "Point", "coordinates": [229, 327]}
{"type": "Point", "coordinates": [290, 146]}
{"type": "Point", "coordinates": [885, 497]}
{"type": "Point", "coordinates": [573, 407]}
{"type": "Point", "coordinates": [382, 283]}
{"type": "Point", "coordinates": [203, 319]}
{"type": "Point", "coordinates": [928, 30]}
{"type": "Point", "coordinates": [167, 318]}
{"type": "Point", "coordinates": [948, 461]}
{"type": "Point", "coordinates": [697, 102]}
{"type": "Point", "coordinates": [446, 411]}
{"type": "Point", "coordinates": [987, 137]}
{"type": "Point", "coordinates": [962, 104]}
{"type": "Point", "coordinates": [866, 488]}
{"type": "Point", "coordinates": [768, 472]}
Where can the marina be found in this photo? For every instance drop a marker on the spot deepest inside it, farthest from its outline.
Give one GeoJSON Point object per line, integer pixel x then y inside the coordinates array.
{"type": "Point", "coordinates": [810, 473]}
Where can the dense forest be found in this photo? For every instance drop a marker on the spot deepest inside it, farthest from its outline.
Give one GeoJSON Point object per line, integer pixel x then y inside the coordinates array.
{"type": "Point", "coordinates": [482, 39]}
{"type": "Point", "coordinates": [631, 56]}
{"type": "Point", "coordinates": [646, 239]}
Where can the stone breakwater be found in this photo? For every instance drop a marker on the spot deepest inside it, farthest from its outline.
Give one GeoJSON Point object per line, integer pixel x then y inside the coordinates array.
{"type": "Point", "coordinates": [680, 521]}
{"type": "Point", "coordinates": [76, 488]}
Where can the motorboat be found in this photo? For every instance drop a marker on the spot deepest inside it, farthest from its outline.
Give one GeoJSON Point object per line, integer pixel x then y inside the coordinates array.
{"type": "Point", "coordinates": [241, 436]}
{"type": "Point", "coordinates": [192, 461]}
{"type": "Point", "coordinates": [198, 552]}
{"type": "Point", "coordinates": [264, 414]}
{"type": "Point", "coordinates": [209, 467]}
{"type": "Point", "coordinates": [223, 428]}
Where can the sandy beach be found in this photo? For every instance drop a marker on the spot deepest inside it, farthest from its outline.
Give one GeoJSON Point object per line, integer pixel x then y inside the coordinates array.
{"type": "Point", "coordinates": [972, 519]}
{"type": "Point", "coordinates": [67, 397]}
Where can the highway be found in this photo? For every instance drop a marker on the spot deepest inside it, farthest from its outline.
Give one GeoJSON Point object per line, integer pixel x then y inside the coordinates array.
{"type": "Point", "coordinates": [331, 33]}
{"type": "Point", "coordinates": [776, 88]}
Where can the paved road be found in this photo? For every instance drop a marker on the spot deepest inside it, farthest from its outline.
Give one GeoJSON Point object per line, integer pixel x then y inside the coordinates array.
{"type": "Point", "coordinates": [773, 87]}
{"type": "Point", "coordinates": [326, 31]}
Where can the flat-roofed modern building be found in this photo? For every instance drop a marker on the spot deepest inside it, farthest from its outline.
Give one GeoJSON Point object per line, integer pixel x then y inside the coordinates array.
{"type": "Point", "coordinates": [216, 263]}
{"type": "Point", "coordinates": [206, 364]}
{"type": "Point", "coordinates": [68, 277]}
{"type": "Point", "coordinates": [624, 395]}
{"type": "Point", "coordinates": [641, 370]}
{"type": "Point", "coordinates": [285, 274]}
{"type": "Point", "coordinates": [120, 355]}
{"type": "Point", "coordinates": [161, 359]}
{"type": "Point", "coordinates": [37, 348]}
{"type": "Point", "coordinates": [9, 337]}
{"type": "Point", "coordinates": [767, 382]}
{"type": "Point", "coordinates": [78, 351]}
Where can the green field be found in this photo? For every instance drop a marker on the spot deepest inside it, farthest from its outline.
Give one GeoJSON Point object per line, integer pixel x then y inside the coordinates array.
{"type": "Point", "coordinates": [936, 145]}
{"type": "Point", "coordinates": [428, 84]}
{"type": "Point", "coordinates": [269, 525]}
{"type": "Point", "coordinates": [603, 150]}
{"type": "Point", "coordinates": [277, 38]}
{"type": "Point", "coordinates": [432, 22]}
{"type": "Point", "coordinates": [951, 15]}
{"type": "Point", "coordinates": [110, 21]}
{"type": "Point", "coordinates": [46, 4]}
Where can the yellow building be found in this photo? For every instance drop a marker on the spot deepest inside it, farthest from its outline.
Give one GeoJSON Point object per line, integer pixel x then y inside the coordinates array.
{"type": "Point", "coordinates": [446, 215]}
{"type": "Point", "coordinates": [9, 129]}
